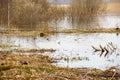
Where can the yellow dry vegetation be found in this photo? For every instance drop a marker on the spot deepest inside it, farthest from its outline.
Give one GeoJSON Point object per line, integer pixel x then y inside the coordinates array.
{"type": "Point", "coordinates": [113, 8]}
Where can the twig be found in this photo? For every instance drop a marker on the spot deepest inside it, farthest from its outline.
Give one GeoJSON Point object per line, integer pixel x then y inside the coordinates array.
{"type": "Point", "coordinates": [106, 51]}
{"type": "Point", "coordinates": [95, 49]}
{"type": "Point", "coordinates": [103, 50]}
{"type": "Point", "coordinates": [113, 75]}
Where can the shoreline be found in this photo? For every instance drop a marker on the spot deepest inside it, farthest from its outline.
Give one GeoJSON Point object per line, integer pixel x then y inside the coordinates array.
{"type": "Point", "coordinates": [37, 32]}
{"type": "Point", "coordinates": [36, 66]}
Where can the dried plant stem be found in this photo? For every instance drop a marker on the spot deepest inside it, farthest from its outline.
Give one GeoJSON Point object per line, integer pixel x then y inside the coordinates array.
{"type": "Point", "coordinates": [113, 75]}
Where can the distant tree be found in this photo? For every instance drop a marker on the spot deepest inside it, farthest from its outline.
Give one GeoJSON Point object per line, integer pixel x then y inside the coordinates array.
{"type": "Point", "coordinates": [84, 11]}
{"type": "Point", "coordinates": [3, 12]}
{"type": "Point", "coordinates": [27, 14]}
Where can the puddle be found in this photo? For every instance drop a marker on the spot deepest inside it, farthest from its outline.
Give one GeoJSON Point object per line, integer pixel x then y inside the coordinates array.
{"type": "Point", "coordinates": [72, 50]}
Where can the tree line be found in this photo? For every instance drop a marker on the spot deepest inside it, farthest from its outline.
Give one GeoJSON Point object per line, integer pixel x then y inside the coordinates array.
{"type": "Point", "coordinates": [33, 14]}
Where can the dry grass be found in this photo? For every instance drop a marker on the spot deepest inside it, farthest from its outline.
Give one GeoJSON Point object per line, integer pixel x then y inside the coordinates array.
{"type": "Point", "coordinates": [113, 8]}
{"type": "Point", "coordinates": [32, 67]}
{"type": "Point", "coordinates": [34, 50]}
{"type": "Point", "coordinates": [23, 33]}
{"type": "Point", "coordinates": [48, 33]}
{"type": "Point", "coordinates": [28, 14]}
{"type": "Point", "coordinates": [6, 46]}
{"type": "Point", "coordinates": [85, 11]}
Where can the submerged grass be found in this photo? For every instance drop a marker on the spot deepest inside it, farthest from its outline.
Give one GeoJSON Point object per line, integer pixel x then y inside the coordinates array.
{"type": "Point", "coordinates": [34, 66]}
{"type": "Point", "coordinates": [34, 50]}
{"type": "Point", "coordinates": [6, 46]}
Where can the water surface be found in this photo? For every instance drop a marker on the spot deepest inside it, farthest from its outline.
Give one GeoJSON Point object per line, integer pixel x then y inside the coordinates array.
{"type": "Point", "coordinates": [107, 21]}
{"type": "Point", "coordinates": [72, 50]}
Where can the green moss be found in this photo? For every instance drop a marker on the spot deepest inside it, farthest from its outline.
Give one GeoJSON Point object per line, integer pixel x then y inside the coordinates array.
{"type": "Point", "coordinates": [48, 70]}
{"type": "Point", "coordinates": [3, 68]}
{"type": "Point", "coordinates": [27, 69]}
{"type": "Point", "coordinates": [28, 77]}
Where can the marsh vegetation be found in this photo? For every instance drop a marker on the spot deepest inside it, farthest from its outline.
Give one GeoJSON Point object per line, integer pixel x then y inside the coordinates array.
{"type": "Point", "coordinates": [83, 13]}
{"type": "Point", "coordinates": [34, 14]}
{"type": "Point", "coordinates": [45, 41]}
{"type": "Point", "coordinates": [27, 67]}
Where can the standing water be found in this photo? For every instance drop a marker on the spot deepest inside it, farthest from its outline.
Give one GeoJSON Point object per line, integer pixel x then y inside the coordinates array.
{"type": "Point", "coordinates": [72, 50]}
{"type": "Point", "coordinates": [101, 22]}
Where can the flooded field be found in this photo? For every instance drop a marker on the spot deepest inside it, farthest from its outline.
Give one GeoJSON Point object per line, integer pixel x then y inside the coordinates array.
{"type": "Point", "coordinates": [101, 22]}
{"type": "Point", "coordinates": [59, 40]}
{"type": "Point", "coordinates": [71, 50]}
{"type": "Point", "coordinates": [106, 21]}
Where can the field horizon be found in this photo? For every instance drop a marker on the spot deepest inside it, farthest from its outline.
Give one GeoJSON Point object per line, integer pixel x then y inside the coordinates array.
{"type": "Point", "coordinates": [113, 8]}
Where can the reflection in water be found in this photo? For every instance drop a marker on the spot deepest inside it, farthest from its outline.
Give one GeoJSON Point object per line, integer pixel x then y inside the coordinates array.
{"type": "Point", "coordinates": [110, 21]}
{"type": "Point", "coordinates": [100, 22]}
{"type": "Point", "coordinates": [117, 34]}
{"type": "Point", "coordinates": [105, 50]}
{"type": "Point", "coordinates": [72, 50]}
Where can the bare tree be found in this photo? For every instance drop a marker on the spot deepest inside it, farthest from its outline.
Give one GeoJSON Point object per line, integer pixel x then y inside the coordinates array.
{"type": "Point", "coordinates": [3, 12]}
{"type": "Point", "coordinates": [85, 11]}
{"type": "Point", "coordinates": [28, 14]}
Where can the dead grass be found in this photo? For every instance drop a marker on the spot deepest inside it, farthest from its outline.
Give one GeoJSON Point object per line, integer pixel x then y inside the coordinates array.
{"type": "Point", "coordinates": [6, 46]}
{"type": "Point", "coordinates": [32, 67]}
{"type": "Point", "coordinates": [34, 50]}
{"type": "Point", "coordinates": [112, 30]}
{"type": "Point", "coordinates": [113, 8]}
{"type": "Point", "coordinates": [47, 33]}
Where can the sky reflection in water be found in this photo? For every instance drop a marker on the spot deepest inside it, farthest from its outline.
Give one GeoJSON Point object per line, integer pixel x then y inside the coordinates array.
{"type": "Point", "coordinates": [71, 48]}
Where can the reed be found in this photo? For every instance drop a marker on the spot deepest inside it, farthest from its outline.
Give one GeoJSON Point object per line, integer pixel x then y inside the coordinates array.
{"type": "Point", "coordinates": [29, 14]}
{"type": "Point", "coordinates": [85, 12]}
{"type": "Point", "coordinates": [37, 14]}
